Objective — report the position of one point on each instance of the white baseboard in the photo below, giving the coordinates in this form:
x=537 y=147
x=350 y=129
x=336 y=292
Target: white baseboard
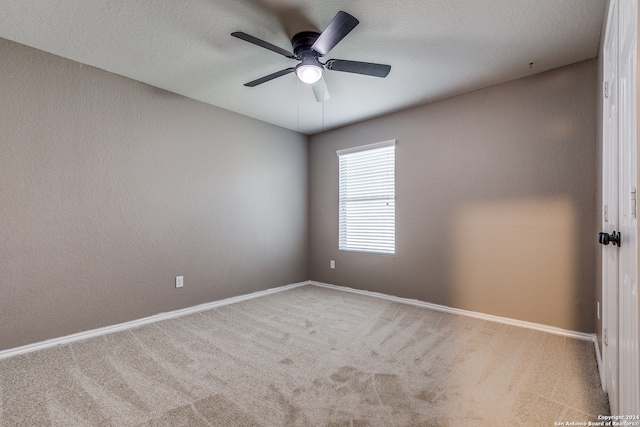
x=207 y=306
x=475 y=314
x=140 y=322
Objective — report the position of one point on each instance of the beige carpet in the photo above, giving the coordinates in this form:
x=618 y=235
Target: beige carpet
x=309 y=356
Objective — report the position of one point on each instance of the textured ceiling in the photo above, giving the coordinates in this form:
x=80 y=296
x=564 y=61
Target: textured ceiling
x=437 y=48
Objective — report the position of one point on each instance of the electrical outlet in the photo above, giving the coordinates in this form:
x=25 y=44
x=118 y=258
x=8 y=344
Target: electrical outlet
x=179 y=281
x=332 y=264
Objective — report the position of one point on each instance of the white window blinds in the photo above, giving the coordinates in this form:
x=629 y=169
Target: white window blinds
x=367 y=198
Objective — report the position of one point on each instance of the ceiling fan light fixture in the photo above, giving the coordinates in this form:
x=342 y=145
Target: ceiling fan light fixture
x=309 y=72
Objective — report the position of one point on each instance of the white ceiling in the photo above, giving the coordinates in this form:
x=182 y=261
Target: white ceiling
x=437 y=48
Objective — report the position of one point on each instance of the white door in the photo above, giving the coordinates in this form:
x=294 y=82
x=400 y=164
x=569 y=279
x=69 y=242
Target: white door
x=628 y=396
x=610 y=208
x=620 y=263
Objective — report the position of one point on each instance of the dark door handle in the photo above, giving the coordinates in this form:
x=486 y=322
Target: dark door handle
x=613 y=238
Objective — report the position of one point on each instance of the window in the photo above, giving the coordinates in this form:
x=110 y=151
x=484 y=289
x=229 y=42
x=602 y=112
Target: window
x=367 y=198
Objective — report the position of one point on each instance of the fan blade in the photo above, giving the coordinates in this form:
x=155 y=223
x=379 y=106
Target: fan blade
x=337 y=29
x=320 y=90
x=367 y=68
x=270 y=77
x=248 y=38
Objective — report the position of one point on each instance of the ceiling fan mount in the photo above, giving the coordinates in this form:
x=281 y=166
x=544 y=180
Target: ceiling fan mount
x=303 y=41
x=308 y=47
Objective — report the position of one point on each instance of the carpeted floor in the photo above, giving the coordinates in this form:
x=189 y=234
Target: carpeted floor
x=309 y=356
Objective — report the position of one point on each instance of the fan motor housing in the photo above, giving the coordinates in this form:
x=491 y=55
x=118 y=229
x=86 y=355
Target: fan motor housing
x=302 y=43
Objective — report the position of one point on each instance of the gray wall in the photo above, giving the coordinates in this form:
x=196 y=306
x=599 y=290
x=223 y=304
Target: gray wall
x=496 y=201
x=110 y=188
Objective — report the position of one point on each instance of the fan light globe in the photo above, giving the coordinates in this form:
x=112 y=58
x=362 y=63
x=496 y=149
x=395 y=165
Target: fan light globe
x=309 y=73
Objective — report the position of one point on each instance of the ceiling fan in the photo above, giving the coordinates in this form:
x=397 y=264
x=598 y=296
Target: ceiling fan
x=308 y=47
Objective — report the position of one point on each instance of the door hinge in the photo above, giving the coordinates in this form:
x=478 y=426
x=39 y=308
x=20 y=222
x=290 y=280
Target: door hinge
x=605 y=336
x=633 y=202
x=605 y=89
